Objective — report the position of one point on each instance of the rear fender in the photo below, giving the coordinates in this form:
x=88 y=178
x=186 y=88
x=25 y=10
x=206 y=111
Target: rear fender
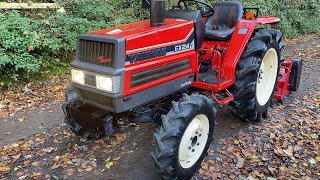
x=240 y=38
x=268 y=20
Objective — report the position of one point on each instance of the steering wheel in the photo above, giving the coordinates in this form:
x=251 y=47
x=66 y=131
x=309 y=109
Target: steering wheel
x=209 y=12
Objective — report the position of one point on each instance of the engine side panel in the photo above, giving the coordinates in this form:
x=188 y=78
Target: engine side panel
x=158 y=71
x=154 y=93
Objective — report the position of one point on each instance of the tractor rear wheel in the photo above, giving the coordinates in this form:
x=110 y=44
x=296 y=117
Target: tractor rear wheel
x=184 y=138
x=256 y=75
x=82 y=119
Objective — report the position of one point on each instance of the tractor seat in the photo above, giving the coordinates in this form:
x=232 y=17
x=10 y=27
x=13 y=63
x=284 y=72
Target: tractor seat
x=221 y=25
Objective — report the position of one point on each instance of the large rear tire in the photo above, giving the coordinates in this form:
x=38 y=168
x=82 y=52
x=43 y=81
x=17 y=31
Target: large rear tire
x=82 y=119
x=184 y=138
x=256 y=75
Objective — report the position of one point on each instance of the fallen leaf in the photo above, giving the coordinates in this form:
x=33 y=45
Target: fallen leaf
x=21 y=119
x=254 y=156
x=211 y=161
x=26 y=163
x=36 y=163
x=48 y=150
x=314 y=136
x=5 y=169
x=55 y=166
x=288 y=152
x=312 y=161
x=16 y=156
x=240 y=161
x=236 y=142
x=30 y=48
x=88 y=169
x=116 y=159
x=36 y=175
x=109 y=164
x=305 y=164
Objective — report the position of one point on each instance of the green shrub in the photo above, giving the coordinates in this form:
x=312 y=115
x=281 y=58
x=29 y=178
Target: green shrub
x=18 y=39
x=297 y=16
x=26 y=45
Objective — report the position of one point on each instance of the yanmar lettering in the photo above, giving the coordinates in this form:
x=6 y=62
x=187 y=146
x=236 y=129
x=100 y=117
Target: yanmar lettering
x=102 y=59
x=146 y=55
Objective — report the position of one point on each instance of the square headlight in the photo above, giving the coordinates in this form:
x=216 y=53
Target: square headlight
x=108 y=83
x=104 y=83
x=77 y=76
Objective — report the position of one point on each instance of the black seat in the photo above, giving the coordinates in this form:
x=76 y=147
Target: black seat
x=221 y=25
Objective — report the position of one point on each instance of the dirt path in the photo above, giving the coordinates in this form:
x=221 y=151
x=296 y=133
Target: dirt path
x=56 y=153
x=137 y=164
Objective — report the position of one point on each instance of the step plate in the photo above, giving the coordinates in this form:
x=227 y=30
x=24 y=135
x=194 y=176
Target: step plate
x=209 y=76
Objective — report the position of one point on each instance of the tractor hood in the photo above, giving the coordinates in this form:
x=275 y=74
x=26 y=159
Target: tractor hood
x=140 y=37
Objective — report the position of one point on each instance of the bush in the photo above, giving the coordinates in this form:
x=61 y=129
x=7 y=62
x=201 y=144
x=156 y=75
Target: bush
x=297 y=16
x=18 y=38
x=27 y=44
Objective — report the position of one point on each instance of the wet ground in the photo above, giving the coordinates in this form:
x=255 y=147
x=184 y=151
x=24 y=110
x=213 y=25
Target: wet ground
x=134 y=165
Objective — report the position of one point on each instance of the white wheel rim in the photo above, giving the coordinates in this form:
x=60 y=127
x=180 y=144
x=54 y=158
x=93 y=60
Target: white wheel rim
x=193 y=141
x=267 y=76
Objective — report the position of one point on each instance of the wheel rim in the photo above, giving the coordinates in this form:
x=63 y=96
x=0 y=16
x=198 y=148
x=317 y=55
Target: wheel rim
x=267 y=76
x=193 y=141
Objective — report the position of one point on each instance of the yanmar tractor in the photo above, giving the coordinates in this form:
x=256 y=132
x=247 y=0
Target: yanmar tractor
x=192 y=55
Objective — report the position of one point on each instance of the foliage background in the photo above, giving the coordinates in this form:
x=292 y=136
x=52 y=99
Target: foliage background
x=41 y=43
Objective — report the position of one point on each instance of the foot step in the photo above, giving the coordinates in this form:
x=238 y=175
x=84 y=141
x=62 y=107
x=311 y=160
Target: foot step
x=222 y=98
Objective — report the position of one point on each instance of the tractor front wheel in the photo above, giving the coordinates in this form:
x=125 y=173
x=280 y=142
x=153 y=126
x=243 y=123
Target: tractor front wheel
x=256 y=75
x=184 y=138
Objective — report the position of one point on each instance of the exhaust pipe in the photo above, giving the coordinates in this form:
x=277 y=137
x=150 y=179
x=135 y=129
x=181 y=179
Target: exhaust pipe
x=157 y=12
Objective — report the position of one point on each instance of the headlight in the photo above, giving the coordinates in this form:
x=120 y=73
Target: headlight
x=77 y=76
x=108 y=83
x=104 y=83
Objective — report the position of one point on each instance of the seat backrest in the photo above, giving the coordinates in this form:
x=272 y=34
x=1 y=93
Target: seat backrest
x=226 y=15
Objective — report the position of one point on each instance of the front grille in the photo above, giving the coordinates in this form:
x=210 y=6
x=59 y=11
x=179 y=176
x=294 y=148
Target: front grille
x=90 y=51
x=152 y=74
x=95 y=98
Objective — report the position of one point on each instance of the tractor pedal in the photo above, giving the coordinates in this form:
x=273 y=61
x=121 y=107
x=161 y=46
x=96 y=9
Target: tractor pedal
x=222 y=98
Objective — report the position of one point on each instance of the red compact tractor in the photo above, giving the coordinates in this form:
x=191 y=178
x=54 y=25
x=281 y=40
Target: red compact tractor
x=192 y=55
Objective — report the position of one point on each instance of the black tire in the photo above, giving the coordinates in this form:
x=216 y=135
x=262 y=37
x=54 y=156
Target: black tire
x=82 y=119
x=245 y=104
x=295 y=74
x=175 y=123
